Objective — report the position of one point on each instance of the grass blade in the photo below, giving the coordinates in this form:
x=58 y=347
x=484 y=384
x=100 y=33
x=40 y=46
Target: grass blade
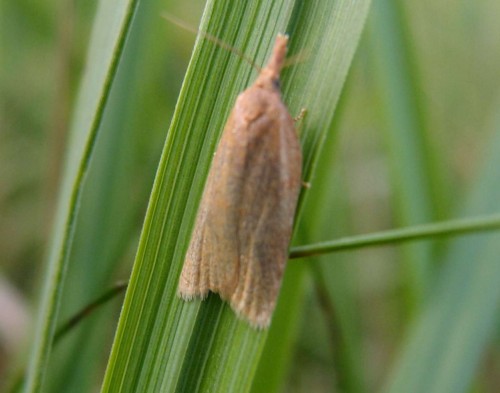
x=116 y=192
x=444 y=347
x=414 y=174
x=455 y=227
x=162 y=343
x=109 y=34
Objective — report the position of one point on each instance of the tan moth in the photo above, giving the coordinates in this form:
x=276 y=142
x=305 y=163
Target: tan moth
x=239 y=245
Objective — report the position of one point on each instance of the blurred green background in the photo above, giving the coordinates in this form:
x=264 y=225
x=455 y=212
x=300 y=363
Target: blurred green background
x=416 y=140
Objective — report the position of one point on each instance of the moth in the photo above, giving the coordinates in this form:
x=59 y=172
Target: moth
x=239 y=245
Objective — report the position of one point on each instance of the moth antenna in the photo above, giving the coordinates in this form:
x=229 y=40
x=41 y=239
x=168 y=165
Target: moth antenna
x=210 y=37
x=297 y=58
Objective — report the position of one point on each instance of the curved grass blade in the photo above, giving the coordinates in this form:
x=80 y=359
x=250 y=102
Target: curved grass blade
x=162 y=343
x=110 y=29
x=116 y=193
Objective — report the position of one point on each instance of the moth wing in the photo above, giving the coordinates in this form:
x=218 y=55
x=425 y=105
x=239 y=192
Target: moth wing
x=272 y=179
x=212 y=259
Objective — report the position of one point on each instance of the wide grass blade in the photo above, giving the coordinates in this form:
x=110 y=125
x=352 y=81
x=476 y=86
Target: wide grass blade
x=163 y=343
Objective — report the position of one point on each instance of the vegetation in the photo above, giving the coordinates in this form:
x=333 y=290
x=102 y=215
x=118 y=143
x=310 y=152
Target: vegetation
x=402 y=129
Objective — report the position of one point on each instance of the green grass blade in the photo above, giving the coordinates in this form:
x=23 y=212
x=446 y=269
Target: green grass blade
x=464 y=226
x=115 y=196
x=444 y=347
x=107 y=41
x=334 y=275
x=413 y=172
x=162 y=343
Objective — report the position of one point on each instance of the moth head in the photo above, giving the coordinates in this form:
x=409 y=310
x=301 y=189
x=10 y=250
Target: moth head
x=269 y=77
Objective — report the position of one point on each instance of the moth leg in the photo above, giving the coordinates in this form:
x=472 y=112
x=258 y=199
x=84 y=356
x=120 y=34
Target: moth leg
x=301 y=115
